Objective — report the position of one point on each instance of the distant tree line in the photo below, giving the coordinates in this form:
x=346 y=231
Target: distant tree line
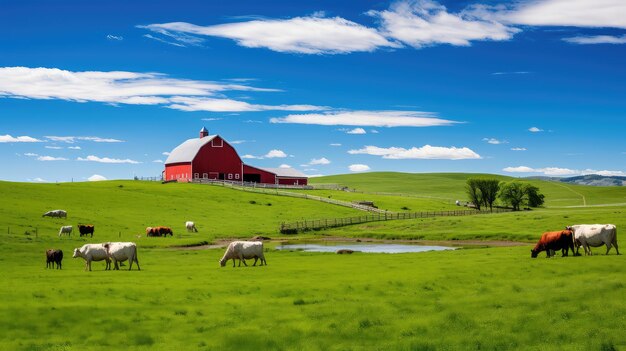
x=483 y=193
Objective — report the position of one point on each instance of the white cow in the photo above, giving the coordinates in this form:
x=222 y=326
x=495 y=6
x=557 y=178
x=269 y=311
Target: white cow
x=93 y=252
x=191 y=226
x=241 y=250
x=66 y=229
x=120 y=252
x=594 y=235
x=55 y=213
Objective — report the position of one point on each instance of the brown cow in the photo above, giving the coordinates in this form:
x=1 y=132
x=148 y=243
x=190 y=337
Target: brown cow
x=54 y=256
x=159 y=231
x=85 y=229
x=552 y=241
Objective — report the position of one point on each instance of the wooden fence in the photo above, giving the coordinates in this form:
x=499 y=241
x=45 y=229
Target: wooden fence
x=319 y=224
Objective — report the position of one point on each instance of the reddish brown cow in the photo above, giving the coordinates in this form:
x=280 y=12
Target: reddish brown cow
x=553 y=241
x=54 y=257
x=85 y=229
x=159 y=231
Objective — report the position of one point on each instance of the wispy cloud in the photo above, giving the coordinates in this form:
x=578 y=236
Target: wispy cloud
x=157 y=161
x=559 y=172
x=509 y=73
x=495 y=141
x=93 y=158
x=597 y=39
x=119 y=87
x=115 y=37
x=96 y=178
x=149 y=36
x=73 y=139
x=284 y=166
x=535 y=130
x=518 y=149
x=20 y=139
x=276 y=154
x=358 y=167
x=302 y=35
x=50 y=158
x=368 y=119
x=424 y=152
x=30 y=154
x=335 y=144
x=74 y=147
x=569 y=13
x=319 y=161
x=38 y=180
x=356 y=131
x=212 y=119
x=248 y=156
x=53 y=147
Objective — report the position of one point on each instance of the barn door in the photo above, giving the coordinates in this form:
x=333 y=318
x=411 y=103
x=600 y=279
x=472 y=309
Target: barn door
x=214 y=175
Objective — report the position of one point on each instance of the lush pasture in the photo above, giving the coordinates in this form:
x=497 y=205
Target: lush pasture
x=487 y=299
x=451 y=186
x=479 y=299
x=128 y=207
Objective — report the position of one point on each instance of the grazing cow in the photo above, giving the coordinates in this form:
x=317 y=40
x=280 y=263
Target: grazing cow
x=159 y=231
x=93 y=252
x=191 y=227
x=55 y=213
x=120 y=252
x=344 y=252
x=594 y=235
x=552 y=241
x=66 y=229
x=54 y=257
x=242 y=250
x=85 y=229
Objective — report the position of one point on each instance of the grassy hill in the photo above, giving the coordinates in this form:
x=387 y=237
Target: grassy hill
x=451 y=186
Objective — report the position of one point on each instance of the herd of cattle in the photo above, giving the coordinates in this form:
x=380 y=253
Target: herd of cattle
x=572 y=238
x=585 y=235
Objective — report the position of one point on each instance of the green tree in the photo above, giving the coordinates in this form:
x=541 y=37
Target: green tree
x=489 y=191
x=473 y=192
x=517 y=194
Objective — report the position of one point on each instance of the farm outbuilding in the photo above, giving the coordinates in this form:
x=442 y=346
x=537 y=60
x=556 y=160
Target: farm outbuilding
x=210 y=157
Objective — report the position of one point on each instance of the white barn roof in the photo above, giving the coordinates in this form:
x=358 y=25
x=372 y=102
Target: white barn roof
x=188 y=150
x=285 y=172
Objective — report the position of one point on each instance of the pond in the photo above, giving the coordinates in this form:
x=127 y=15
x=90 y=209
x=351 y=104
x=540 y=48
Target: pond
x=368 y=248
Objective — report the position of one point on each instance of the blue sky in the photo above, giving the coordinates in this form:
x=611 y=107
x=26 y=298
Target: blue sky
x=517 y=88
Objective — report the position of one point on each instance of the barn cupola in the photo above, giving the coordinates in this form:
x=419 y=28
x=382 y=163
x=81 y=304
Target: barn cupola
x=203 y=132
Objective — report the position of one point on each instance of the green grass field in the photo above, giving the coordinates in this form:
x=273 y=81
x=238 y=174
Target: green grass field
x=467 y=299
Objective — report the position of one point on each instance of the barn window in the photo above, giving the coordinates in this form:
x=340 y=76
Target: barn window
x=205 y=176
x=196 y=175
x=230 y=176
x=237 y=176
x=217 y=143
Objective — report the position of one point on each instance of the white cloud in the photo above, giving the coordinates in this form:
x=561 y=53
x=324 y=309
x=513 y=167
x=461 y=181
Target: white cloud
x=93 y=158
x=495 y=141
x=119 y=87
x=374 y=131
x=212 y=119
x=165 y=153
x=558 y=171
x=235 y=142
x=20 y=139
x=368 y=119
x=518 y=149
x=149 y=36
x=356 y=131
x=535 y=130
x=30 y=154
x=420 y=23
x=425 y=152
x=96 y=178
x=509 y=73
x=284 y=166
x=303 y=35
x=115 y=37
x=74 y=147
x=335 y=144
x=248 y=156
x=597 y=39
x=575 y=13
x=157 y=161
x=275 y=154
x=53 y=147
x=73 y=139
x=320 y=161
x=39 y=180
x=358 y=168
x=50 y=158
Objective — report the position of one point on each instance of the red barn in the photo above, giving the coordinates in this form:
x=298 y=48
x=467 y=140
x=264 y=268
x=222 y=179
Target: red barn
x=211 y=157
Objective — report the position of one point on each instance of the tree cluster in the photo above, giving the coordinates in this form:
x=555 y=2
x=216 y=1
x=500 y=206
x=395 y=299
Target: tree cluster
x=483 y=193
